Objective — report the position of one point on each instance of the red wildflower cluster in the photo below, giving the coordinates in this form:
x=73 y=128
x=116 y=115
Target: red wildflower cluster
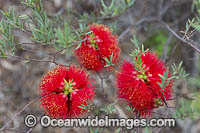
x=140 y=88
x=98 y=45
x=63 y=90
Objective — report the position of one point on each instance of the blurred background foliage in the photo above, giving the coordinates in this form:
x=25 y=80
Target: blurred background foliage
x=36 y=35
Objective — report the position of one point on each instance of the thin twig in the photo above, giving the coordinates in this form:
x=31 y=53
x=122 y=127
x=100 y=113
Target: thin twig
x=171 y=53
x=184 y=96
x=102 y=84
x=59 y=51
x=165 y=49
x=124 y=33
x=164 y=9
x=19 y=112
x=35 y=51
x=29 y=59
x=186 y=41
x=30 y=129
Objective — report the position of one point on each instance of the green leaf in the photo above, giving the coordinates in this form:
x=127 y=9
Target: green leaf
x=111 y=57
x=111 y=5
x=83 y=107
x=130 y=2
x=78 y=46
x=135 y=41
x=106 y=59
x=178 y=71
x=115 y=8
x=108 y=109
x=129 y=108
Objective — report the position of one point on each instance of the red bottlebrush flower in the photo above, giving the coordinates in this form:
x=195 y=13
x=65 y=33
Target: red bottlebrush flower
x=63 y=90
x=98 y=45
x=140 y=88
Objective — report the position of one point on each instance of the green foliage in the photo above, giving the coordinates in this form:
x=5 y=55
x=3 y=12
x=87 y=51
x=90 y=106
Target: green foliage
x=178 y=71
x=66 y=37
x=184 y=111
x=30 y=3
x=116 y=7
x=8 y=23
x=39 y=24
x=195 y=105
x=136 y=55
x=86 y=18
x=189 y=108
x=69 y=84
x=108 y=109
x=195 y=23
x=157 y=42
x=42 y=30
x=188 y=24
x=88 y=106
x=193 y=82
x=82 y=31
x=7 y=40
x=55 y=31
x=165 y=80
x=14 y=20
x=109 y=62
x=135 y=41
x=97 y=130
x=196 y=5
x=166 y=77
x=114 y=26
x=191 y=27
x=129 y=108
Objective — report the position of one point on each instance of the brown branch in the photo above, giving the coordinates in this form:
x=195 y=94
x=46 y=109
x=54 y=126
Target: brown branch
x=171 y=53
x=59 y=51
x=17 y=27
x=165 y=48
x=184 y=96
x=124 y=33
x=19 y=112
x=102 y=84
x=34 y=51
x=38 y=60
x=102 y=81
x=29 y=59
x=186 y=41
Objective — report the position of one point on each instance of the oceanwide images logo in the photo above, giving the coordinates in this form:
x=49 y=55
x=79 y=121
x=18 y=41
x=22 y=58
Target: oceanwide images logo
x=90 y=121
